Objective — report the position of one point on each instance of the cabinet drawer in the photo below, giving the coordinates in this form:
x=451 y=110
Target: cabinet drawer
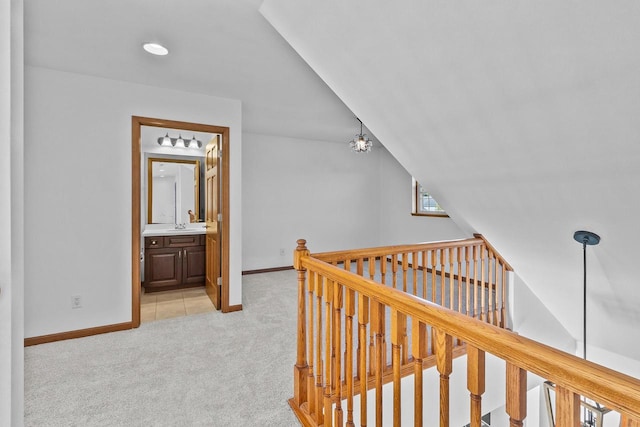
x=203 y=239
x=154 y=242
x=181 y=241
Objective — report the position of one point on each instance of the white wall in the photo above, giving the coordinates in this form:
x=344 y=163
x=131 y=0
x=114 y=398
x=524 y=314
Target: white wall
x=315 y=190
x=532 y=319
x=78 y=221
x=325 y=193
x=11 y=214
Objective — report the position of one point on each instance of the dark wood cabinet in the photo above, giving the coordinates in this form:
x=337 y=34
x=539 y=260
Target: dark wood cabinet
x=174 y=262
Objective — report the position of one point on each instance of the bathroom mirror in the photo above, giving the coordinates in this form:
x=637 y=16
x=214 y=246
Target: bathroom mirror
x=174 y=191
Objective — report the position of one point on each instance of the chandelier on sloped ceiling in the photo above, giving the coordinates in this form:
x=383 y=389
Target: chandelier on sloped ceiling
x=179 y=142
x=361 y=144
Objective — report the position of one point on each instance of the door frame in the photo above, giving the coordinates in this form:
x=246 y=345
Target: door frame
x=136 y=201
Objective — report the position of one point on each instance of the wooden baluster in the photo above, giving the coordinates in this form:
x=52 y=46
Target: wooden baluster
x=503 y=311
x=491 y=294
x=475 y=382
x=328 y=348
x=461 y=309
x=383 y=272
x=482 y=284
x=337 y=340
x=405 y=267
x=380 y=347
x=374 y=322
x=498 y=307
x=475 y=282
x=626 y=421
x=434 y=289
x=459 y=285
x=467 y=273
x=443 y=280
x=397 y=322
x=419 y=347
x=319 y=363
x=567 y=408
x=301 y=369
x=363 y=320
x=360 y=267
x=444 y=363
x=394 y=270
x=425 y=271
x=350 y=310
x=434 y=277
x=405 y=342
x=383 y=269
x=311 y=380
x=517 y=395
x=415 y=267
x=452 y=287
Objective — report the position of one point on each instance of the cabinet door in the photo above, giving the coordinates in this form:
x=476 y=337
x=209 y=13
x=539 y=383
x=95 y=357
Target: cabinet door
x=163 y=267
x=193 y=265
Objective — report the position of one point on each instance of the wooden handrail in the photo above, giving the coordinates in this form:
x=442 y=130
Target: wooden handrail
x=606 y=386
x=338 y=256
x=492 y=249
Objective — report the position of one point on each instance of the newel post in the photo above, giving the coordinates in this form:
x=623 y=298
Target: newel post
x=300 y=370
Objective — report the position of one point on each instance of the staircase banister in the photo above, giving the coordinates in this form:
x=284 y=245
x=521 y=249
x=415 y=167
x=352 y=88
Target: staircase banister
x=615 y=390
x=337 y=256
x=492 y=249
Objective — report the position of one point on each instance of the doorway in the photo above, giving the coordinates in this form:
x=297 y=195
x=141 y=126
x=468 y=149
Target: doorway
x=222 y=227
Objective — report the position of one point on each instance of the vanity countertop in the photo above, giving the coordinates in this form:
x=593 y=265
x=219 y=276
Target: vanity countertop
x=173 y=232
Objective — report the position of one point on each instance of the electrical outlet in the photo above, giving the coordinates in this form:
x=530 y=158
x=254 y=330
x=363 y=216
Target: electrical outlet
x=281 y=251
x=76 y=301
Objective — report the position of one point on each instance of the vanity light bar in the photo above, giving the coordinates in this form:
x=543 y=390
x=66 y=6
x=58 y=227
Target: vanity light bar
x=179 y=141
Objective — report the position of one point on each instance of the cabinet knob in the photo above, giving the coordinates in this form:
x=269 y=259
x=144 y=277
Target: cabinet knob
x=154 y=242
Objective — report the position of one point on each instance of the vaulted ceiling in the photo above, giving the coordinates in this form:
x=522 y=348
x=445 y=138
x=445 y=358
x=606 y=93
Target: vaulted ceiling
x=521 y=118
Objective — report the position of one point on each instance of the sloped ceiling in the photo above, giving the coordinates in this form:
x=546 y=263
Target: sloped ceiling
x=521 y=118
x=223 y=48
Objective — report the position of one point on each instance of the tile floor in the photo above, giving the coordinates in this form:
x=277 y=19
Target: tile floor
x=168 y=304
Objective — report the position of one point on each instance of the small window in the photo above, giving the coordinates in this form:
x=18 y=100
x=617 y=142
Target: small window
x=424 y=204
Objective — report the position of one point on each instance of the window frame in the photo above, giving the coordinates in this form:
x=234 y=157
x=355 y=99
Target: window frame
x=416 y=198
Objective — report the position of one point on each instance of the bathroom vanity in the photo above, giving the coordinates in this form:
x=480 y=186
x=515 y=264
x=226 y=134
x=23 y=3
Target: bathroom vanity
x=174 y=261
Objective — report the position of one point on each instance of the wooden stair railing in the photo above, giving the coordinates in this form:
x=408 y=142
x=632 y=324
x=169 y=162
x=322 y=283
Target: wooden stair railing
x=338 y=307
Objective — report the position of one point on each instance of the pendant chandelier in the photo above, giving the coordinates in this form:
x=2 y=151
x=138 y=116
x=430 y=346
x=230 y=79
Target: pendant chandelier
x=361 y=144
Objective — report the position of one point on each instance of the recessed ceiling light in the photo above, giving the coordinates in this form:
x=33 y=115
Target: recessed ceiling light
x=155 y=49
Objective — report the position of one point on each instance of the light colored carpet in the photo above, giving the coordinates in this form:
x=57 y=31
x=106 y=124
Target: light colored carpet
x=208 y=369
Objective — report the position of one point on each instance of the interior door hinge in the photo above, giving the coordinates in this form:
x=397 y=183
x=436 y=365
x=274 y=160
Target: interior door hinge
x=219 y=217
x=219 y=281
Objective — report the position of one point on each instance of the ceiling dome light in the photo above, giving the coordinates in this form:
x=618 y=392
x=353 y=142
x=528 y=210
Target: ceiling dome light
x=155 y=49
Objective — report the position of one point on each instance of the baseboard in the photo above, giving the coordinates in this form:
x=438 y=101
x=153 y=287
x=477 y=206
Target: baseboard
x=77 y=333
x=267 y=270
